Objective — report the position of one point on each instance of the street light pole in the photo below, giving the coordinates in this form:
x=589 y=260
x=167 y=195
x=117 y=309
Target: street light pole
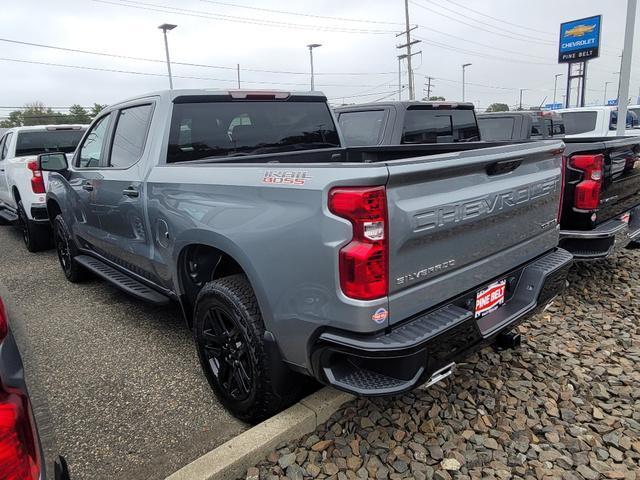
x=167 y=27
x=625 y=69
x=464 y=66
x=555 y=84
x=311 y=47
x=521 y=90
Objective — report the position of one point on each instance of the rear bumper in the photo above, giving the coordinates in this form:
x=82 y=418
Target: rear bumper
x=423 y=348
x=603 y=240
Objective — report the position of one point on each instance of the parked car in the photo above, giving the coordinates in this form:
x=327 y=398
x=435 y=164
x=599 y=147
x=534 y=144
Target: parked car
x=22 y=185
x=407 y=122
x=372 y=269
x=520 y=125
x=22 y=456
x=595 y=122
x=601 y=208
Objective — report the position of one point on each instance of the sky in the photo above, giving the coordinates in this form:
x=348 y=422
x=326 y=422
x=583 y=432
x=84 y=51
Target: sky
x=511 y=44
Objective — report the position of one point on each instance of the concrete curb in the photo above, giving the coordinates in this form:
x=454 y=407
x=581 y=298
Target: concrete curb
x=232 y=459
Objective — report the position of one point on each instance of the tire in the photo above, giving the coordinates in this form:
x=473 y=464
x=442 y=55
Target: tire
x=67 y=251
x=36 y=236
x=229 y=334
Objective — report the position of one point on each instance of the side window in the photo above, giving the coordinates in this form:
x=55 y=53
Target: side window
x=5 y=146
x=130 y=135
x=91 y=149
x=2 y=146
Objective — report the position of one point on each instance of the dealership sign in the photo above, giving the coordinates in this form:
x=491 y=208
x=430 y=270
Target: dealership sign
x=579 y=39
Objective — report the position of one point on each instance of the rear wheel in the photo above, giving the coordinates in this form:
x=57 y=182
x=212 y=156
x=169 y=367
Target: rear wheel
x=67 y=251
x=229 y=334
x=36 y=236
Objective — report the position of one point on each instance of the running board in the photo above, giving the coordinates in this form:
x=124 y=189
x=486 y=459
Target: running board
x=121 y=280
x=8 y=216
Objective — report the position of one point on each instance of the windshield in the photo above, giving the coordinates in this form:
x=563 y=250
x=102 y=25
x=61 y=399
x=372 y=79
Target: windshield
x=237 y=128
x=441 y=125
x=37 y=142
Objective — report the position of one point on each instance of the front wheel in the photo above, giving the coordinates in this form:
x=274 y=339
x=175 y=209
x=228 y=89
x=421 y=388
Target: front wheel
x=229 y=335
x=67 y=251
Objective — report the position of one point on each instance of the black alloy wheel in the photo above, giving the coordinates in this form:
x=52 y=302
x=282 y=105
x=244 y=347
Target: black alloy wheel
x=225 y=349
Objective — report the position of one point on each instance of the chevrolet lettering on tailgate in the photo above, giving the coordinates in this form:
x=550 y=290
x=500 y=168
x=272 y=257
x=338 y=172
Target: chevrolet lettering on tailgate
x=483 y=206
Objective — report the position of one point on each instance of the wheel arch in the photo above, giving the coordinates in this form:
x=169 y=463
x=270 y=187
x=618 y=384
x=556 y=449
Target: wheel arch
x=213 y=261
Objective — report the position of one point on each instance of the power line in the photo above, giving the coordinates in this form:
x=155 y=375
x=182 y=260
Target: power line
x=126 y=57
x=466 y=7
x=285 y=12
x=235 y=19
x=132 y=72
x=475 y=26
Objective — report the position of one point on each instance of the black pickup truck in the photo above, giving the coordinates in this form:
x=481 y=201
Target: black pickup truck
x=601 y=206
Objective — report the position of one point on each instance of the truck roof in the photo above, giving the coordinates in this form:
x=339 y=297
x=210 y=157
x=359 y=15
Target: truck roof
x=171 y=95
x=41 y=128
x=408 y=103
x=596 y=108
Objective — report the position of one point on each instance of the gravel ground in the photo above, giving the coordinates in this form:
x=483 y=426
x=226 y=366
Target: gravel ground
x=566 y=405
x=120 y=379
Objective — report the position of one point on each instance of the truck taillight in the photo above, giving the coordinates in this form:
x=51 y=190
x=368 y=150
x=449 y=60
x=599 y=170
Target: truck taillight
x=19 y=453
x=363 y=262
x=37 y=181
x=587 y=192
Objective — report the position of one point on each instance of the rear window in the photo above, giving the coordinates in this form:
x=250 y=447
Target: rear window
x=441 y=125
x=499 y=128
x=579 y=122
x=362 y=128
x=238 y=128
x=34 y=143
x=636 y=112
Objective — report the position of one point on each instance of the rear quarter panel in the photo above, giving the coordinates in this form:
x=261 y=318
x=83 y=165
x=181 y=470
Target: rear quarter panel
x=284 y=237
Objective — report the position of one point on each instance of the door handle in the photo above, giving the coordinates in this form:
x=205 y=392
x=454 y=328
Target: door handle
x=88 y=187
x=131 y=192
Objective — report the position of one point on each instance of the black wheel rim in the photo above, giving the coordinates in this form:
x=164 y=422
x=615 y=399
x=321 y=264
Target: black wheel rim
x=25 y=228
x=62 y=247
x=226 y=353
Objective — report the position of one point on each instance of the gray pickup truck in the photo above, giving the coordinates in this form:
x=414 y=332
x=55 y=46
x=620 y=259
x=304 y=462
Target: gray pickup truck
x=372 y=269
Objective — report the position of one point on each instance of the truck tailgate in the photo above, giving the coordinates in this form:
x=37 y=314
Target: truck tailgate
x=458 y=221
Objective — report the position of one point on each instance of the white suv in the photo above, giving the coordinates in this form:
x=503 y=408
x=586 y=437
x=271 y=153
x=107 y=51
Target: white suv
x=22 y=185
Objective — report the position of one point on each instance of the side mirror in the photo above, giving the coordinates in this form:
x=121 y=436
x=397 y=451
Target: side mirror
x=53 y=162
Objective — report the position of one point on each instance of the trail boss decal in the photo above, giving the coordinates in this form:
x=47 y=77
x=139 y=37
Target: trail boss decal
x=285 y=177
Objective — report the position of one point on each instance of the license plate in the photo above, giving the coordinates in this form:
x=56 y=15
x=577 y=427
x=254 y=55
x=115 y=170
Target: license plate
x=490 y=299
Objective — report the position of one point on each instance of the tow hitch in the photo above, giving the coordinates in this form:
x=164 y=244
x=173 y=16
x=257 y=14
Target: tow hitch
x=507 y=340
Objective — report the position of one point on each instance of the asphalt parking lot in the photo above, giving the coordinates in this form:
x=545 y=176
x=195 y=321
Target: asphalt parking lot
x=120 y=378
x=565 y=405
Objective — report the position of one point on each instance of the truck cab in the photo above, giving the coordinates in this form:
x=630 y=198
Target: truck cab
x=520 y=125
x=597 y=122
x=407 y=122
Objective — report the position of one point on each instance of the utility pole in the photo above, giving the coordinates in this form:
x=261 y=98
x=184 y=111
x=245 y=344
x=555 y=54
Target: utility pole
x=555 y=85
x=521 y=90
x=464 y=66
x=167 y=27
x=606 y=84
x=238 y=70
x=429 y=87
x=625 y=70
x=407 y=45
x=400 y=58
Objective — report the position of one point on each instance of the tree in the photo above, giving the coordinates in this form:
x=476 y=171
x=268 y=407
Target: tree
x=77 y=114
x=498 y=107
x=96 y=109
